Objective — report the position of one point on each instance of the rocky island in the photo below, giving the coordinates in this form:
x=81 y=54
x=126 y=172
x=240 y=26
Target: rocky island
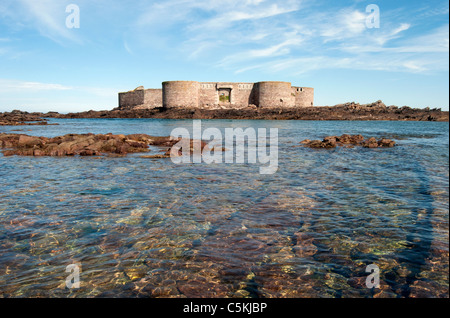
x=348 y=111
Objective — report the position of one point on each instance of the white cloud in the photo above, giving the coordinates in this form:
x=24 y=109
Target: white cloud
x=279 y=49
x=344 y=24
x=435 y=41
x=8 y=85
x=228 y=18
x=11 y=85
x=344 y=42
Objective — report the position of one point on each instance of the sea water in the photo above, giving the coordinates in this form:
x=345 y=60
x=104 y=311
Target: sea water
x=140 y=227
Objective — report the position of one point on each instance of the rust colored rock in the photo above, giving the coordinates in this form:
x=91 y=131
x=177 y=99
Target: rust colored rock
x=386 y=143
x=328 y=143
x=370 y=143
x=348 y=141
x=82 y=144
x=29 y=141
x=38 y=153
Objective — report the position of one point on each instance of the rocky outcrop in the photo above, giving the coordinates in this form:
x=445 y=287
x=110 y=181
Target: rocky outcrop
x=349 y=141
x=81 y=144
x=92 y=145
x=19 y=118
x=349 y=111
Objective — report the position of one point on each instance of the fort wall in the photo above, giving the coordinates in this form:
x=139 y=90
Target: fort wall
x=153 y=98
x=141 y=98
x=304 y=96
x=132 y=98
x=192 y=94
x=180 y=94
x=275 y=94
x=208 y=95
x=246 y=94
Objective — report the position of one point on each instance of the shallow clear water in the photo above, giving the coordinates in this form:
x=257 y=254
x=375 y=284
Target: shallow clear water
x=149 y=228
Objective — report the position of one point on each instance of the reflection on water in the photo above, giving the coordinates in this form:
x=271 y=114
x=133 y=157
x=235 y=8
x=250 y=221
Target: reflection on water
x=148 y=228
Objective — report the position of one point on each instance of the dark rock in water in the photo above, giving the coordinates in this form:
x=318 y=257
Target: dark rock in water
x=348 y=141
x=330 y=142
x=373 y=143
x=386 y=143
x=370 y=143
x=321 y=144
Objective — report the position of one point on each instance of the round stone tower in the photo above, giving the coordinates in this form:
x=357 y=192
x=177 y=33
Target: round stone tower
x=180 y=94
x=275 y=94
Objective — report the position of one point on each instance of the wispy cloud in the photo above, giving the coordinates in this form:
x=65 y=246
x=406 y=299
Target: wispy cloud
x=271 y=51
x=341 y=40
x=228 y=18
x=344 y=24
x=49 y=17
x=12 y=85
x=46 y=16
x=9 y=85
x=127 y=48
x=435 y=41
x=206 y=24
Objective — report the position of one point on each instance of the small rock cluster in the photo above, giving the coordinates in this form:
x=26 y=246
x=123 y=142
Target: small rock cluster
x=348 y=141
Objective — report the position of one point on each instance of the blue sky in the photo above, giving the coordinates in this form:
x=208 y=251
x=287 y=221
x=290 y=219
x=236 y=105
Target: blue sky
x=120 y=45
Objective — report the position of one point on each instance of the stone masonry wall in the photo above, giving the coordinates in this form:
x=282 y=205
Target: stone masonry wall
x=180 y=94
x=208 y=96
x=192 y=94
x=131 y=99
x=153 y=98
x=304 y=96
x=245 y=94
x=275 y=94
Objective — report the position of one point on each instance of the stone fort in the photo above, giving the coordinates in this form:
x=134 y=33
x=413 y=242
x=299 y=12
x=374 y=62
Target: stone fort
x=191 y=94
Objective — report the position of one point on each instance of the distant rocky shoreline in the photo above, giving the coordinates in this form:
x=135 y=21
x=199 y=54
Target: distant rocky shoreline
x=19 y=118
x=349 y=111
